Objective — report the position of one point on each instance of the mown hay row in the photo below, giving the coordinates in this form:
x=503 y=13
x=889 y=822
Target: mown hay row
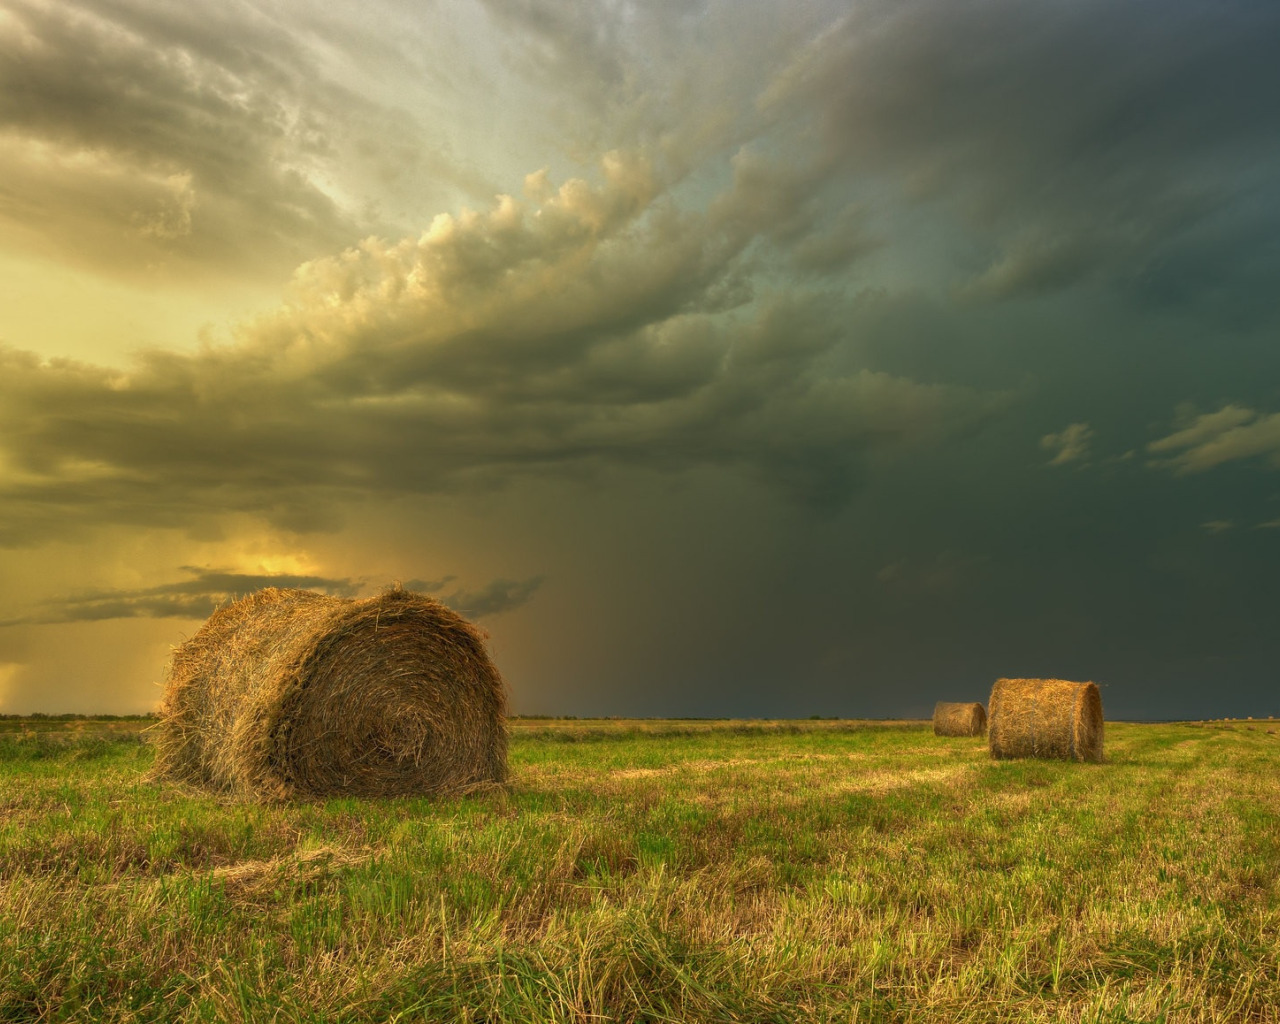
x=290 y=693
x=959 y=719
x=1045 y=718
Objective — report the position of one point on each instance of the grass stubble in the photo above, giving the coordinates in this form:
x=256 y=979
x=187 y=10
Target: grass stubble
x=815 y=871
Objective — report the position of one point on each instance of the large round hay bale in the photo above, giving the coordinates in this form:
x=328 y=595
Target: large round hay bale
x=957 y=719
x=1045 y=718
x=291 y=693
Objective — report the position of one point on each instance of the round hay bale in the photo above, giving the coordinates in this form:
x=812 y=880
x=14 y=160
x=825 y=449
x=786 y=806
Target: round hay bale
x=290 y=693
x=1045 y=718
x=953 y=719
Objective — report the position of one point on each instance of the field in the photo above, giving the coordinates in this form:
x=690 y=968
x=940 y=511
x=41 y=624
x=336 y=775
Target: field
x=646 y=871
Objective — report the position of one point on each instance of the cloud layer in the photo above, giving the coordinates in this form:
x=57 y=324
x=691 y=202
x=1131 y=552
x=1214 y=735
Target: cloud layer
x=599 y=326
x=205 y=590
x=761 y=366
x=156 y=140
x=193 y=598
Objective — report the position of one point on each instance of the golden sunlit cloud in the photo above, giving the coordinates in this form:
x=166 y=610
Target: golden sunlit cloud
x=1228 y=435
x=585 y=330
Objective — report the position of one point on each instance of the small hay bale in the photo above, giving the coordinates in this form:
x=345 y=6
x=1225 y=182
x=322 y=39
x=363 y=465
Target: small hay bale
x=952 y=719
x=1045 y=718
x=290 y=693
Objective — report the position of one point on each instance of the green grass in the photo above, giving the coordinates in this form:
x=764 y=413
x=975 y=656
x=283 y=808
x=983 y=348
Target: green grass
x=641 y=871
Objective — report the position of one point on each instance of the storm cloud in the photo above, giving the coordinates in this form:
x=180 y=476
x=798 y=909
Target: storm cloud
x=591 y=328
x=158 y=140
x=206 y=590
x=764 y=359
x=193 y=598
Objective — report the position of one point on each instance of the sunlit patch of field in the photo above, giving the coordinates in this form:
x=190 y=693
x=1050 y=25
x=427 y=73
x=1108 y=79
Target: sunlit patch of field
x=658 y=871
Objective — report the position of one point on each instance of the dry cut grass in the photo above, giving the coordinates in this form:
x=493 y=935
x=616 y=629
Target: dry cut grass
x=661 y=872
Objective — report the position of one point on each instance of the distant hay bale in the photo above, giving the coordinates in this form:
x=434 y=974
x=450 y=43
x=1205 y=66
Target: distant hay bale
x=290 y=693
x=952 y=719
x=1045 y=718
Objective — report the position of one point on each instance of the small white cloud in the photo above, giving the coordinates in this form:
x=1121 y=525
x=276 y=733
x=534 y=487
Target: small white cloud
x=1218 y=525
x=1070 y=445
x=1270 y=524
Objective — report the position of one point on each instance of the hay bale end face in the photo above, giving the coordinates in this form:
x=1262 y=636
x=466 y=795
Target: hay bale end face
x=959 y=719
x=290 y=693
x=1045 y=718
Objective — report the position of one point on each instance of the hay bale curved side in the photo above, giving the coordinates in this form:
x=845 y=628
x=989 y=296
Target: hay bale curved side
x=959 y=719
x=291 y=693
x=1045 y=718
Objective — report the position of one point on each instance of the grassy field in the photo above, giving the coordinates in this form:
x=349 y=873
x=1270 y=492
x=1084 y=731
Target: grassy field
x=643 y=871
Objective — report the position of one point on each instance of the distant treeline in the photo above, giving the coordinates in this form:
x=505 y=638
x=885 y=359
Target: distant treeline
x=678 y=718
x=74 y=717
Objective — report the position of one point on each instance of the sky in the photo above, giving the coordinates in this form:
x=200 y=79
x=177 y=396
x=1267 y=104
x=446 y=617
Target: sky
x=718 y=357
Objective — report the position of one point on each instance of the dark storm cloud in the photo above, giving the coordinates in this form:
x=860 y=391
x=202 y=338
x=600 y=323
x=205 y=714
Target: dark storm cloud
x=140 y=134
x=949 y=273
x=492 y=599
x=407 y=368
x=194 y=598
x=1072 y=139
x=497 y=597
x=1048 y=145
x=1053 y=144
x=1048 y=148
x=206 y=590
x=428 y=586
